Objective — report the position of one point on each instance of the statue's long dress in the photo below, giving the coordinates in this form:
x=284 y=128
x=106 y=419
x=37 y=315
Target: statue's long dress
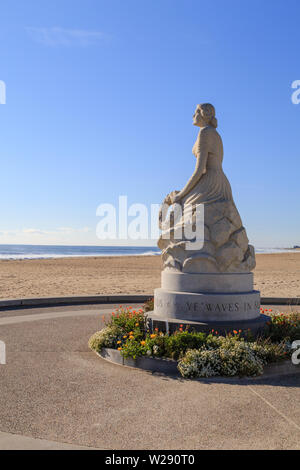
x=225 y=247
x=213 y=185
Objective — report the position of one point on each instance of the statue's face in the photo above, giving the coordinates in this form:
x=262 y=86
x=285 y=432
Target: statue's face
x=198 y=119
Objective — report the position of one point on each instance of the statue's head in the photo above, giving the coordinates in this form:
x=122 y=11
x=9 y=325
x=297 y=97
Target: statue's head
x=205 y=115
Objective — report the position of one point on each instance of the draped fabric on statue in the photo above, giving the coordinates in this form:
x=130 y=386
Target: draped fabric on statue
x=225 y=247
x=213 y=186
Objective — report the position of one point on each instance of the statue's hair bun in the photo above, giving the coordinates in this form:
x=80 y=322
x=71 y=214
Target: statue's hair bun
x=214 y=122
x=209 y=114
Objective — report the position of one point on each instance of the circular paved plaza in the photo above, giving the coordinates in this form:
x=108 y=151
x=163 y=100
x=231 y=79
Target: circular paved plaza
x=55 y=393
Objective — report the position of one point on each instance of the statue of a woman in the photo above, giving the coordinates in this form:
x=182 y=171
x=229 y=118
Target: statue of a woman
x=225 y=247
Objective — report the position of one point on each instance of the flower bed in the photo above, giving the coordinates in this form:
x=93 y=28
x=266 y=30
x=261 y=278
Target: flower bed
x=199 y=354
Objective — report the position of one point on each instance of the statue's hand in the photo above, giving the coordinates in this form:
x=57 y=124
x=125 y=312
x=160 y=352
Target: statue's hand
x=172 y=198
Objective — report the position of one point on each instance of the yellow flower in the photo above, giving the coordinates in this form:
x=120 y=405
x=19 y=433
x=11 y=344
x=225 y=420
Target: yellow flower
x=125 y=336
x=152 y=336
x=119 y=342
x=119 y=349
x=137 y=324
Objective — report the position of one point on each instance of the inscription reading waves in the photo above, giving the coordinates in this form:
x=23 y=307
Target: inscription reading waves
x=209 y=307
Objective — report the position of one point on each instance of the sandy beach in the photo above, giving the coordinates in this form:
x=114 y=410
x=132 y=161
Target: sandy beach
x=275 y=275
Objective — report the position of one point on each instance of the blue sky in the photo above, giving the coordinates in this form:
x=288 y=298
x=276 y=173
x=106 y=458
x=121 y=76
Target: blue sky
x=99 y=103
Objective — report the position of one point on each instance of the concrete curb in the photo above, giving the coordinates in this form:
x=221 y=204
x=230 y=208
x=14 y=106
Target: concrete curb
x=280 y=300
x=152 y=364
x=169 y=366
x=72 y=300
x=110 y=299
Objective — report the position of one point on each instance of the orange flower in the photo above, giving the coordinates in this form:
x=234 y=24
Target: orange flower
x=152 y=336
x=235 y=332
x=119 y=349
x=143 y=343
x=137 y=324
x=119 y=342
x=180 y=329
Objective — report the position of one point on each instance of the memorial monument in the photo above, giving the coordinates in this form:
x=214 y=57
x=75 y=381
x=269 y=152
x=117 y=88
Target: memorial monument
x=210 y=282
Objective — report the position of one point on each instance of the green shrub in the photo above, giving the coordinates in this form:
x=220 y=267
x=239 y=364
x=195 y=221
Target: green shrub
x=232 y=357
x=285 y=326
x=129 y=319
x=177 y=344
x=133 y=348
x=152 y=345
x=269 y=352
x=106 y=338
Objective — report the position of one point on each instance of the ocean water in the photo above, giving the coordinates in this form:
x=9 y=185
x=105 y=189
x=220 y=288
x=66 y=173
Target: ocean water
x=58 y=251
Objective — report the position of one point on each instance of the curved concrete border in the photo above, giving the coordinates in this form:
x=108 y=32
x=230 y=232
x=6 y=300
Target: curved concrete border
x=110 y=299
x=72 y=300
x=169 y=366
x=152 y=364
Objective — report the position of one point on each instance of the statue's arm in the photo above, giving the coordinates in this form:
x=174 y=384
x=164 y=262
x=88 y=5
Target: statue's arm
x=202 y=155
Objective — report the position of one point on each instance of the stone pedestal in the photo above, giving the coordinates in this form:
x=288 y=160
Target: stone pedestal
x=225 y=301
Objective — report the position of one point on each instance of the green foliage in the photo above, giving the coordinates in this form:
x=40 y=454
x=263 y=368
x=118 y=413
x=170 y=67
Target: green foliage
x=229 y=356
x=149 y=305
x=106 y=338
x=269 y=352
x=152 y=345
x=285 y=326
x=156 y=344
x=199 y=354
x=177 y=344
x=129 y=319
x=233 y=357
x=133 y=348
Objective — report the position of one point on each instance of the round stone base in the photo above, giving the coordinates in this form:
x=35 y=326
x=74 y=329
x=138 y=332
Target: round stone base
x=208 y=282
x=206 y=307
